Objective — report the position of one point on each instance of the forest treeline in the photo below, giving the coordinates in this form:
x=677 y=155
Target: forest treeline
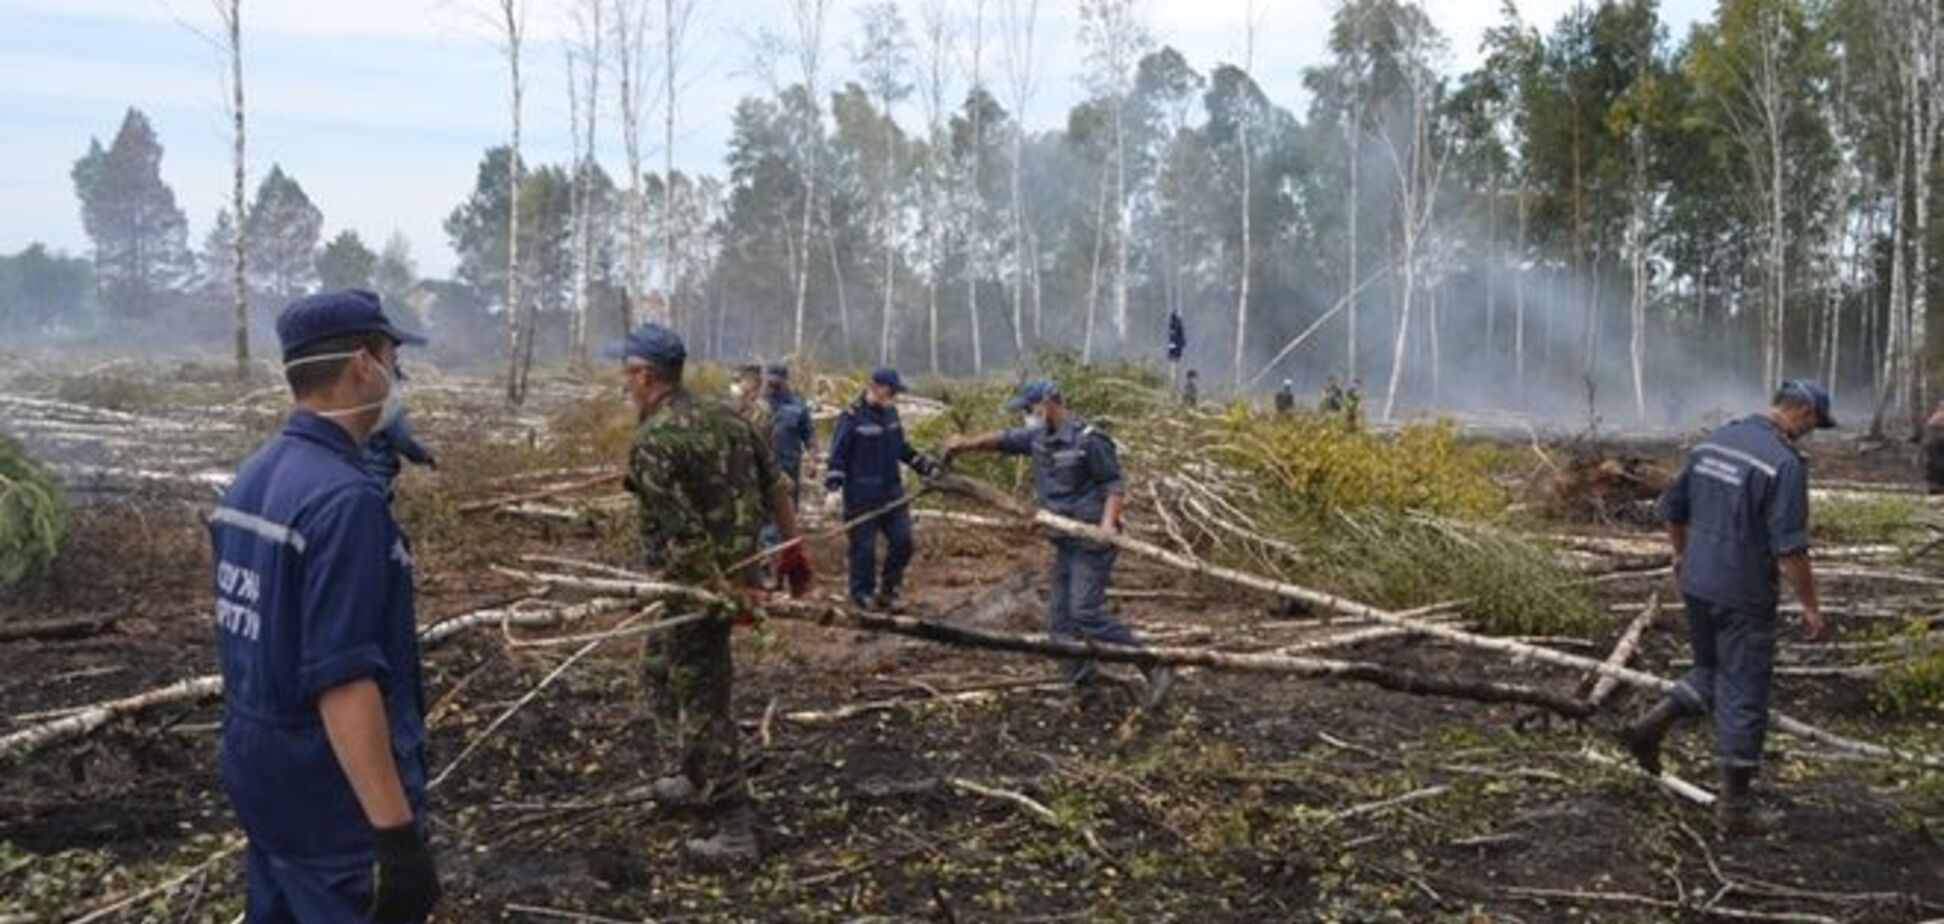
x=1599 y=210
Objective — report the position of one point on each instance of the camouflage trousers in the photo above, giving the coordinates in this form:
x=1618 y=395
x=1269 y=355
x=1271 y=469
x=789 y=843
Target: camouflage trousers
x=688 y=670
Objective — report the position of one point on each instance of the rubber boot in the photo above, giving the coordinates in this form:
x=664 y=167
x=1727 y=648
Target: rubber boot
x=1642 y=738
x=1736 y=814
x=677 y=789
x=734 y=841
x=1160 y=679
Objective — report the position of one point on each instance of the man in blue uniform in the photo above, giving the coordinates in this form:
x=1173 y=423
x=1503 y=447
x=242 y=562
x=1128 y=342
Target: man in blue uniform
x=866 y=448
x=387 y=451
x=323 y=718
x=1738 y=514
x=793 y=435
x=1077 y=475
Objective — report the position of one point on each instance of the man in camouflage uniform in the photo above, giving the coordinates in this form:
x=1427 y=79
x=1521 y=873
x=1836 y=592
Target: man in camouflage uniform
x=706 y=483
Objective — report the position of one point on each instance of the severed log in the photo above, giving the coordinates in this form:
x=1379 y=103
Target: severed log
x=1605 y=684
x=964 y=636
x=52 y=629
x=90 y=718
x=1518 y=651
x=570 y=487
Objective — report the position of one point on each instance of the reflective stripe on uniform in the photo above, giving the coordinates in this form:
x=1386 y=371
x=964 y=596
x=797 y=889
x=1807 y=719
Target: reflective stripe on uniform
x=250 y=522
x=1739 y=456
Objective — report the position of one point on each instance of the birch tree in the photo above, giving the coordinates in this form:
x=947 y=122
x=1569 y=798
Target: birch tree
x=630 y=23
x=584 y=108
x=809 y=18
x=676 y=15
x=976 y=244
x=937 y=35
x=1020 y=55
x=509 y=22
x=1114 y=39
x=228 y=41
x=1251 y=22
x=884 y=59
x=1748 y=62
x=1418 y=174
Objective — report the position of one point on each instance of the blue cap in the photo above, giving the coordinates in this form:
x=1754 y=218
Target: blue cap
x=651 y=343
x=1809 y=392
x=342 y=313
x=777 y=372
x=1032 y=392
x=888 y=377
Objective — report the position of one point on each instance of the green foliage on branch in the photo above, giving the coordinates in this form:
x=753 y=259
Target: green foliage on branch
x=33 y=517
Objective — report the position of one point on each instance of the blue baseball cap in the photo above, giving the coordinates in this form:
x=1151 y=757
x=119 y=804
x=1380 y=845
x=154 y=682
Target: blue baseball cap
x=1809 y=392
x=327 y=315
x=888 y=377
x=1032 y=392
x=651 y=343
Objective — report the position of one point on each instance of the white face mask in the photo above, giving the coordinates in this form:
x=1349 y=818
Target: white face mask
x=1035 y=420
x=392 y=405
x=736 y=390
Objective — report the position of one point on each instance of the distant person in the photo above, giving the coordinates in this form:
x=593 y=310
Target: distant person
x=792 y=436
x=1353 y=405
x=1934 y=450
x=1286 y=398
x=1738 y=514
x=323 y=737
x=388 y=449
x=862 y=476
x=1332 y=402
x=1076 y=475
x=1191 y=389
x=747 y=389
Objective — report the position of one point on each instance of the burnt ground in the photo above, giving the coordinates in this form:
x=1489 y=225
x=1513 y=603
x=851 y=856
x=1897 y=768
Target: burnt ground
x=1247 y=798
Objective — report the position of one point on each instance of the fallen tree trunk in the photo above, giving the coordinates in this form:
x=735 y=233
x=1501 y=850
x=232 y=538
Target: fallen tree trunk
x=47 y=629
x=541 y=493
x=1518 y=651
x=965 y=636
x=1623 y=650
x=87 y=719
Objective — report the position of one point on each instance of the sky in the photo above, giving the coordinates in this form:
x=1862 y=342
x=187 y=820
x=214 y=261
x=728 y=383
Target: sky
x=381 y=109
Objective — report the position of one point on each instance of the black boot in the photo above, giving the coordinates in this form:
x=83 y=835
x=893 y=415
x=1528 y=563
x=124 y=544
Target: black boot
x=1736 y=814
x=1643 y=737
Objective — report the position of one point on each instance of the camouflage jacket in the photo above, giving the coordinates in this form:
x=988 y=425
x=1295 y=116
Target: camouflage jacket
x=705 y=480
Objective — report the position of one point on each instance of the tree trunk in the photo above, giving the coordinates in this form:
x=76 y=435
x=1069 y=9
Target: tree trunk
x=1248 y=239
x=237 y=201
x=1121 y=222
x=515 y=358
x=1093 y=275
x=1350 y=283
x=890 y=246
x=1519 y=304
x=1637 y=343
x=1022 y=252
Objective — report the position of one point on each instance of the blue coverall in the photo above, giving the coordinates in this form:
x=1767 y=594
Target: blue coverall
x=384 y=449
x=1744 y=497
x=313 y=591
x=866 y=448
x=1075 y=469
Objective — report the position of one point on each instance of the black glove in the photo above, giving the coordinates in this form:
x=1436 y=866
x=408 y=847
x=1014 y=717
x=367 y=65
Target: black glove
x=925 y=465
x=404 y=886
x=432 y=462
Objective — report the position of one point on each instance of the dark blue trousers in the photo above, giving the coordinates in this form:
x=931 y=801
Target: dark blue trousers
x=287 y=892
x=1076 y=607
x=896 y=527
x=1734 y=660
